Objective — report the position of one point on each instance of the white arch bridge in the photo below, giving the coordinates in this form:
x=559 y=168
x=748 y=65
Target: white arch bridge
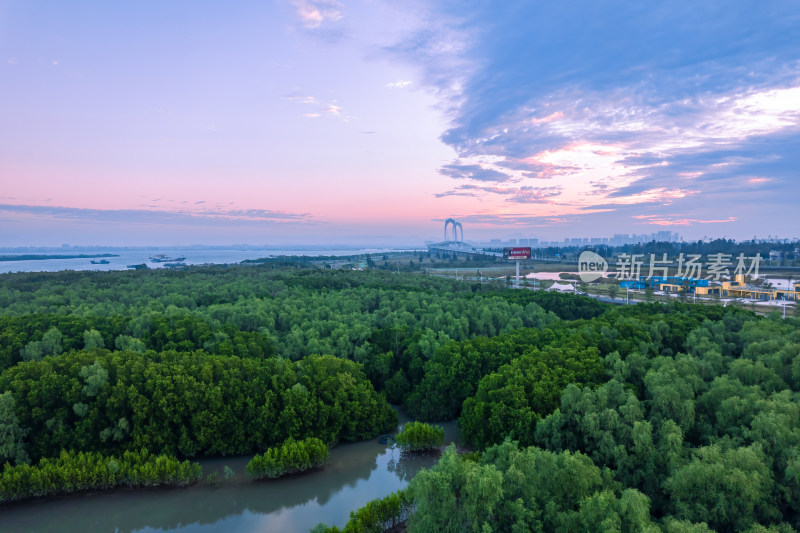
x=457 y=245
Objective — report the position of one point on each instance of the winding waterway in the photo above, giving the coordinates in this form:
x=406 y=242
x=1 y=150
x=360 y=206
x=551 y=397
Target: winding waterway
x=356 y=473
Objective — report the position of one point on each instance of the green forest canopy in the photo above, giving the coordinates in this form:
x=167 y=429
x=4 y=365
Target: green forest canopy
x=688 y=414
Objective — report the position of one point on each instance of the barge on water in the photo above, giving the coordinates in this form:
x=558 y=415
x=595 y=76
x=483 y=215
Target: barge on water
x=161 y=258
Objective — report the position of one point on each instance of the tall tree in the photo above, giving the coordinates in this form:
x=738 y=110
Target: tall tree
x=11 y=434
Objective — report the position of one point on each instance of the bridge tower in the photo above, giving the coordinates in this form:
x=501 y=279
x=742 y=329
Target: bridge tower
x=456 y=226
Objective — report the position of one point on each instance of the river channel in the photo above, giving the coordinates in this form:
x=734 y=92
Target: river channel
x=357 y=473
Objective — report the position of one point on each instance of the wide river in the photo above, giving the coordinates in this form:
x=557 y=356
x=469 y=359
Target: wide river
x=356 y=473
x=191 y=257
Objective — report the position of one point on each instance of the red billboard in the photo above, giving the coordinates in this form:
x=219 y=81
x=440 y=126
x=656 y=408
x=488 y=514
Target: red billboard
x=517 y=253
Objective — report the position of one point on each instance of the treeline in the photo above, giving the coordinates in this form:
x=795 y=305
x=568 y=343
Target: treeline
x=725 y=246
x=118 y=292
x=82 y=471
x=188 y=404
x=672 y=249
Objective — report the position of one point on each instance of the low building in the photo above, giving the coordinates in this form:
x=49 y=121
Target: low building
x=736 y=288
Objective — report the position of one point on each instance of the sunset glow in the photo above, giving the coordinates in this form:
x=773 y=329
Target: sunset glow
x=313 y=121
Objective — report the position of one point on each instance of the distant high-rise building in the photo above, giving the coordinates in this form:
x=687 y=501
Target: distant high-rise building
x=619 y=239
x=664 y=236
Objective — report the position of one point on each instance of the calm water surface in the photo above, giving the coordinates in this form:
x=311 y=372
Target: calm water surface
x=193 y=257
x=356 y=474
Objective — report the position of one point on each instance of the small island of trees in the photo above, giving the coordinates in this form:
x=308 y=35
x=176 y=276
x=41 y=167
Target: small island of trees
x=418 y=437
x=290 y=457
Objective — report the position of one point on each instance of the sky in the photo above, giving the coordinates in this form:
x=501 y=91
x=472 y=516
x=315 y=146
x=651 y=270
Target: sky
x=371 y=122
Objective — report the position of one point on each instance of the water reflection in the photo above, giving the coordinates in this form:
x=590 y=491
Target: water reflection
x=405 y=466
x=356 y=474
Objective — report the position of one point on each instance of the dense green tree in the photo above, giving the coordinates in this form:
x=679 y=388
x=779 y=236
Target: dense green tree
x=398 y=387
x=190 y=404
x=94 y=377
x=613 y=290
x=730 y=490
x=32 y=351
x=92 y=339
x=513 y=489
x=129 y=344
x=456 y=495
x=510 y=402
x=12 y=447
x=51 y=342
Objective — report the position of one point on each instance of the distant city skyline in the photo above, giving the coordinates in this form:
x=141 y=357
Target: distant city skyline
x=372 y=122
x=618 y=239
x=534 y=242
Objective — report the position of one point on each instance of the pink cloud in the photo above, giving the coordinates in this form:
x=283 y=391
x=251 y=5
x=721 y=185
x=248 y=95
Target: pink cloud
x=314 y=13
x=558 y=115
x=661 y=195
